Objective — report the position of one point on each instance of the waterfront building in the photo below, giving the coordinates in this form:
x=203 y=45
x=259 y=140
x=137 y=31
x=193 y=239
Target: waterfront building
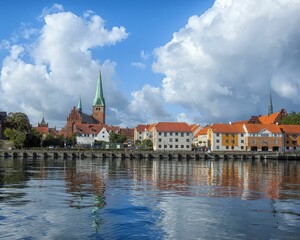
x=226 y=137
x=201 y=138
x=171 y=136
x=78 y=117
x=291 y=135
x=141 y=132
x=271 y=118
x=3 y=116
x=263 y=137
x=87 y=134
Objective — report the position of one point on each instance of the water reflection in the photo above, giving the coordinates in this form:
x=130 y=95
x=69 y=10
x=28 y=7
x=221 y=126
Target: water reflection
x=119 y=199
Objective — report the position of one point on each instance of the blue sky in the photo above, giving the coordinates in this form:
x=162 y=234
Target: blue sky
x=195 y=61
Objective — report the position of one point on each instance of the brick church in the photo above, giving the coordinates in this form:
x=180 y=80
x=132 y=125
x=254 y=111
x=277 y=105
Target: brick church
x=77 y=116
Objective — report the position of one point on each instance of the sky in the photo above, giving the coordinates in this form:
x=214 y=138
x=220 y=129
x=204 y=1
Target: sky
x=197 y=61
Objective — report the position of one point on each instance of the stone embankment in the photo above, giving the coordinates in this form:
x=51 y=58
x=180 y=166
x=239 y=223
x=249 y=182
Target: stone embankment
x=127 y=154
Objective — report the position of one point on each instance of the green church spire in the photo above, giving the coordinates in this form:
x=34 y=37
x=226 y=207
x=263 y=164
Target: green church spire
x=99 y=98
x=270 y=108
x=79 y=106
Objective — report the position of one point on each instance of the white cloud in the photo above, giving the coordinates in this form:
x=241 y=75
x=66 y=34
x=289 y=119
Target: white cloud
x=47 y=77
x=138 y=65
x=147 y=105
x=223 y=63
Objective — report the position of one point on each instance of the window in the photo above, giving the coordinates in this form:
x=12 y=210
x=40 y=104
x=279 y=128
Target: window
x=218 y=147
x=287 y=141
x=159 y=133
x=159 y=146
x=182 y=134
x=232 y=141
x=176 y=139
x=165 y=146
x=171 y=146
x=227 y=141
x=187 y=146
x=159 y=139
x=242 y=147
x=176 y=134
x=275 y=141
x=218 y=134
x=254 y=141
x=176 y=146
x=226 y=134
x=188 y=134
x=171 y=133
x=232 y=147
x=242 y=141
x=294 y=136
x=187 y=140
x=182 y=146
x=217 y=140
x=165 y=134
x=242 y=135
x=227 y=147
x=232 y=134
x=171 y=140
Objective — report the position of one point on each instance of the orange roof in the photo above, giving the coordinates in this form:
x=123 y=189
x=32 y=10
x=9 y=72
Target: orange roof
x=142 y=127
x=271 y=119
x=194 y=127
x=255 y=128
x=240 y=122
x=172 y=127
x=227 y=128
x=290 y=128
x=202 y=131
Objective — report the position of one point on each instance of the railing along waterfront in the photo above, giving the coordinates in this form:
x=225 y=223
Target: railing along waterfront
x=138 y=154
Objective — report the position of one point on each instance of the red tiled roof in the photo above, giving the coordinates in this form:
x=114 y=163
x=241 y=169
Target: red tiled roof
x=271 y=119
x=202 y=131
x=172 y=127
x=227 y=128
x=94 y=128
x=290 y=128
x=255 y=128
x=42 y=130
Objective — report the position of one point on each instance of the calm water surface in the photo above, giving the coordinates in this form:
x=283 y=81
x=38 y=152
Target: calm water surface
x=128 y=199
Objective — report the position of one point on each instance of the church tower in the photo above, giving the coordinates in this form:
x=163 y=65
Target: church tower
x=79 y=105
x=99 y=102
x=270 y=108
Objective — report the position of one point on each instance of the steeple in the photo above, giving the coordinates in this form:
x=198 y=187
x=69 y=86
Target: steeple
x=99 y=102
x=79 y=105
x=270 y=108
x=99 y=98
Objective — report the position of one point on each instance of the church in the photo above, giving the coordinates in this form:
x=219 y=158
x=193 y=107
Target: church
x=78 y=117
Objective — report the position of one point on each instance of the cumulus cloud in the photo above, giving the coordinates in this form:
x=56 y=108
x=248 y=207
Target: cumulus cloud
x=47 y=76
x=224 y=63
x=147 y=105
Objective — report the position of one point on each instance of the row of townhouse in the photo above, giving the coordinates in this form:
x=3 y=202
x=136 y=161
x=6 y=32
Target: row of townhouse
x=168 y=135
x=249 y=137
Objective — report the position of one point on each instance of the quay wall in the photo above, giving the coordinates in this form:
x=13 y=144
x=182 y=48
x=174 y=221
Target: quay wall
x=127 y=154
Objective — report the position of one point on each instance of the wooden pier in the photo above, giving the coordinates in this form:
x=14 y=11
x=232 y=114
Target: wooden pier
x=127 y=154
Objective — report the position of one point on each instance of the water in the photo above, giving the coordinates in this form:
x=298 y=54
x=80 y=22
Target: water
x=131 y=199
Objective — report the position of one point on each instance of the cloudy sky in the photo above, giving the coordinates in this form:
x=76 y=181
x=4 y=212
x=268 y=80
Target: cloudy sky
x=199 y=61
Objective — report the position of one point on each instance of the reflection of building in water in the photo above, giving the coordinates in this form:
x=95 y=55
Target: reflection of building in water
x=81 y=182
x=242 y=179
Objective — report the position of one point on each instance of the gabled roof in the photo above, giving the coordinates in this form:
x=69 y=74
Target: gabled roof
x=195 y=127
x=291 y=128
x=142 y=127
x=94 y=128
x=271 y=119
x=202 y=131
x=255 y=128
x=227 y=128
x=172 y=127
x=88 y=119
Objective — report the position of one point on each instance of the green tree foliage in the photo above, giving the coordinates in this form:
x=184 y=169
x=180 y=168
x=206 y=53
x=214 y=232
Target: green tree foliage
x=17 y=137
x=291 y=119
x=147 y=144
x=116 y=138
x=18 y=121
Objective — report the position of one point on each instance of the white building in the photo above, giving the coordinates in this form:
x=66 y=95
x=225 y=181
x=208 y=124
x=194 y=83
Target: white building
x=171 y=136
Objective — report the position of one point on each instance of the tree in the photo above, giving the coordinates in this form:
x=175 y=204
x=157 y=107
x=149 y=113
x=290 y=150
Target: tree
x=147 y=143
x=18 y=121
x=291 y=119
x=17 y=137
x=116 y=138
